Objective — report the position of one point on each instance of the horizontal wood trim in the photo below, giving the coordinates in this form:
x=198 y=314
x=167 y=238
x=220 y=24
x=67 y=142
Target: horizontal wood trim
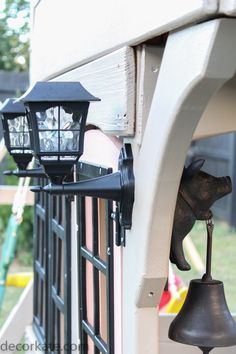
x=112 y=79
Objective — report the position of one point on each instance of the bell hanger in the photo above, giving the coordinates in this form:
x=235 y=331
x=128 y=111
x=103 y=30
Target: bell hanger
x=205 y=320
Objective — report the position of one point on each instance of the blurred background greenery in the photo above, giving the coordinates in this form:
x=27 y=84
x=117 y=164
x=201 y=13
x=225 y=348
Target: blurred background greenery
x=14 y=57
x=223 y=257
x=25 y=230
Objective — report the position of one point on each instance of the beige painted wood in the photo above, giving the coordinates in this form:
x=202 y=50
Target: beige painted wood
x=69 y=33
x=112 y=79
x=197 y=61
x=219 y=116
x=21 y=316
x=148 y=66
x=7 y=195
x=169 y=347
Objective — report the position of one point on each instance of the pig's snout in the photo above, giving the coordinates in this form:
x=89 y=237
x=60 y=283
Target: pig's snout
x=224 y=185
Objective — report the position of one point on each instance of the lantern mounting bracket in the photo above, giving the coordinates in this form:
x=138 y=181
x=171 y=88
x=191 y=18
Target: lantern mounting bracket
x=118 y=186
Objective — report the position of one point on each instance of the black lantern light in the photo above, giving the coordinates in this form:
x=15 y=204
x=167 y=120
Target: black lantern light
x=16 y=132
x=57 y=113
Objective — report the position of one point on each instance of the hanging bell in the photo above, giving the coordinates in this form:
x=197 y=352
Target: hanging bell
x=205 y=320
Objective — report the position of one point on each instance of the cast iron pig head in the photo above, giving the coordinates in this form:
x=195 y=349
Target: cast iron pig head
x=197 y=192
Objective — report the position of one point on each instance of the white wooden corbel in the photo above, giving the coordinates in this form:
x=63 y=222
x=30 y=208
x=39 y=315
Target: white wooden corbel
x=197 y=61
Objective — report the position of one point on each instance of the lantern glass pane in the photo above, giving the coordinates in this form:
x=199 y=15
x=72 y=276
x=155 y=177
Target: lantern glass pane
x=59 y=130
x=19 y=134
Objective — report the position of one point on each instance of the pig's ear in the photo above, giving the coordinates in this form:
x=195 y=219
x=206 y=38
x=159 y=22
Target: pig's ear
x=193 y=168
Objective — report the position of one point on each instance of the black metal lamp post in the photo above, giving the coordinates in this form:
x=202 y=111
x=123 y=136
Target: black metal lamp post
x=57 y=113
x=16 y=132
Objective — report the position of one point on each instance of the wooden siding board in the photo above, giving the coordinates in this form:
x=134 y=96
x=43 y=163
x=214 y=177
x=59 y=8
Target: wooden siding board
x=112 y=79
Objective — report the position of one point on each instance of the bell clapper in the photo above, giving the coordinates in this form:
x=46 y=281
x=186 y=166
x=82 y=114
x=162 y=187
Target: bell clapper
x=210 y=227
x=205 y=350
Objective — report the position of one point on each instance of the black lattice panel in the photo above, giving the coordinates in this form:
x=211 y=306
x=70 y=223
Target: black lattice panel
x=40 y=264
x=52 y=269
x=95 y=270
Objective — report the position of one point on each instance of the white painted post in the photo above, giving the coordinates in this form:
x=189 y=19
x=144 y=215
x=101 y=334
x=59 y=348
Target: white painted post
x=196 y=63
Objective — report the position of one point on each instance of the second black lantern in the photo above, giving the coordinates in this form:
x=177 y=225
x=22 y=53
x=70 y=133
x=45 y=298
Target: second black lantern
x=16 y=132
x=57 y=113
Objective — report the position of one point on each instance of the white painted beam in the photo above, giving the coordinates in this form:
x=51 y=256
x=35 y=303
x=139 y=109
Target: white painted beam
x=69 y=33
x=194 y=66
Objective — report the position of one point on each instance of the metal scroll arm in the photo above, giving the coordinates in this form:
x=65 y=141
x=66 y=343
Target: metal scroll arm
x=118 y=186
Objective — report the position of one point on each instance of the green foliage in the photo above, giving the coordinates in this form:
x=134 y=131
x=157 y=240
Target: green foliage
x=9 y=164
x=223 y=257
x=14 y=30
x=25 y=237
